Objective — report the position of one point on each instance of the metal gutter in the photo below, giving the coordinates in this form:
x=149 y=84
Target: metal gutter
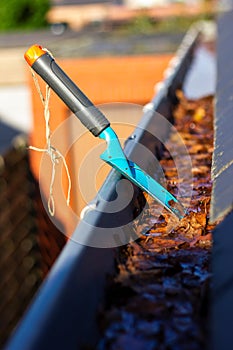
x=222 y=166
x=63 y=314
x=222 y=290
x=222 y=193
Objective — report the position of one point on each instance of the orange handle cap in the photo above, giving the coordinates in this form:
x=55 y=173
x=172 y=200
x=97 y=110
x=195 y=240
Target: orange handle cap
x=33 y=53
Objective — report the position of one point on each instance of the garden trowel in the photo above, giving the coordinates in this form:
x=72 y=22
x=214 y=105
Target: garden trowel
x=93 y=119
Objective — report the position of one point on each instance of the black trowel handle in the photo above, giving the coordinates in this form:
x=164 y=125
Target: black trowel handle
x=44 y=65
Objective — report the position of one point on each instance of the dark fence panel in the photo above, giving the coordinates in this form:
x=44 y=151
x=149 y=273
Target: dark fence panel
x=24 y=227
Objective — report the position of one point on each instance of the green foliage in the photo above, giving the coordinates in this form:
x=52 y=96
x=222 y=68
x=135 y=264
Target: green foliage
x=143 y=24
x=180 y=23
x=23 y=14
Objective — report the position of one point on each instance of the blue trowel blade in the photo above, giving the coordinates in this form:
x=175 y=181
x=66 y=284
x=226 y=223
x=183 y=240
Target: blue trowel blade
x=115 y=157
x=149 y=185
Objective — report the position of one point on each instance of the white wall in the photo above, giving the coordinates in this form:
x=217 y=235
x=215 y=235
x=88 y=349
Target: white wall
x=144 y=3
